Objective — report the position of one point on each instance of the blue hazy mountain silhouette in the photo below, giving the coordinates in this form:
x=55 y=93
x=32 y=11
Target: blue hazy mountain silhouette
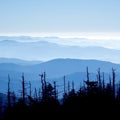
x=19 y=61
x=73 y=69
x=43 y=50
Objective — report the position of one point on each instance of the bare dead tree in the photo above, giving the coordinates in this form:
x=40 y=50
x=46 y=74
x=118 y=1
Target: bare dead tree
x=103 y=83
x=72 y=85
x=64 y=84
x=99 y=79
x=30 y=91
x=42 y=82
x=87 y=74
x=8 y=93
x=55 y=90
x=23 y=88
x=113 y=81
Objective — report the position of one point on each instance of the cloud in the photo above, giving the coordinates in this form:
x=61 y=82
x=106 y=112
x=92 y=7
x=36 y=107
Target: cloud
x=107 y=40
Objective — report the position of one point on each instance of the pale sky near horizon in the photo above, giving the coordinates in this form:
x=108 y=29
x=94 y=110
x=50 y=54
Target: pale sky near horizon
x=61 y=16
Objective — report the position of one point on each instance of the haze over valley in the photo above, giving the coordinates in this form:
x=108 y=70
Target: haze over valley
x=48 y=48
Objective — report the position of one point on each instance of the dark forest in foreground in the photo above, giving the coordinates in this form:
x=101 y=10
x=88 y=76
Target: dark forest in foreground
x=94 y=99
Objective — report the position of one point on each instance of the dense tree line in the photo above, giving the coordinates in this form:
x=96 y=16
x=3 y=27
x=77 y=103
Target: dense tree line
x=95 y=99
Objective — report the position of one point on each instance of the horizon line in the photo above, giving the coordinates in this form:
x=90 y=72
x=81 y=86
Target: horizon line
x=68 y=35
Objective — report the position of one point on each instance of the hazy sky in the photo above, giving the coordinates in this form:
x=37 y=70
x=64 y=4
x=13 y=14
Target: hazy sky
x=59 y=16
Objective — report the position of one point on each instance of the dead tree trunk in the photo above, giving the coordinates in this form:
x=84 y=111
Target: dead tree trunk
x=8 y=93
x=30 y=91
x=23 y=88
x=99 y=80
x=113 y=81
x=64 y=85
x=55 y=91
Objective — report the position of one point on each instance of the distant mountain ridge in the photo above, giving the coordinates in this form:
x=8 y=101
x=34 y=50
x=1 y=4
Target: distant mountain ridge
x=59 y=67
x=73 y=69
x=44 y=50
x=68 y=66
x=18 y=61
